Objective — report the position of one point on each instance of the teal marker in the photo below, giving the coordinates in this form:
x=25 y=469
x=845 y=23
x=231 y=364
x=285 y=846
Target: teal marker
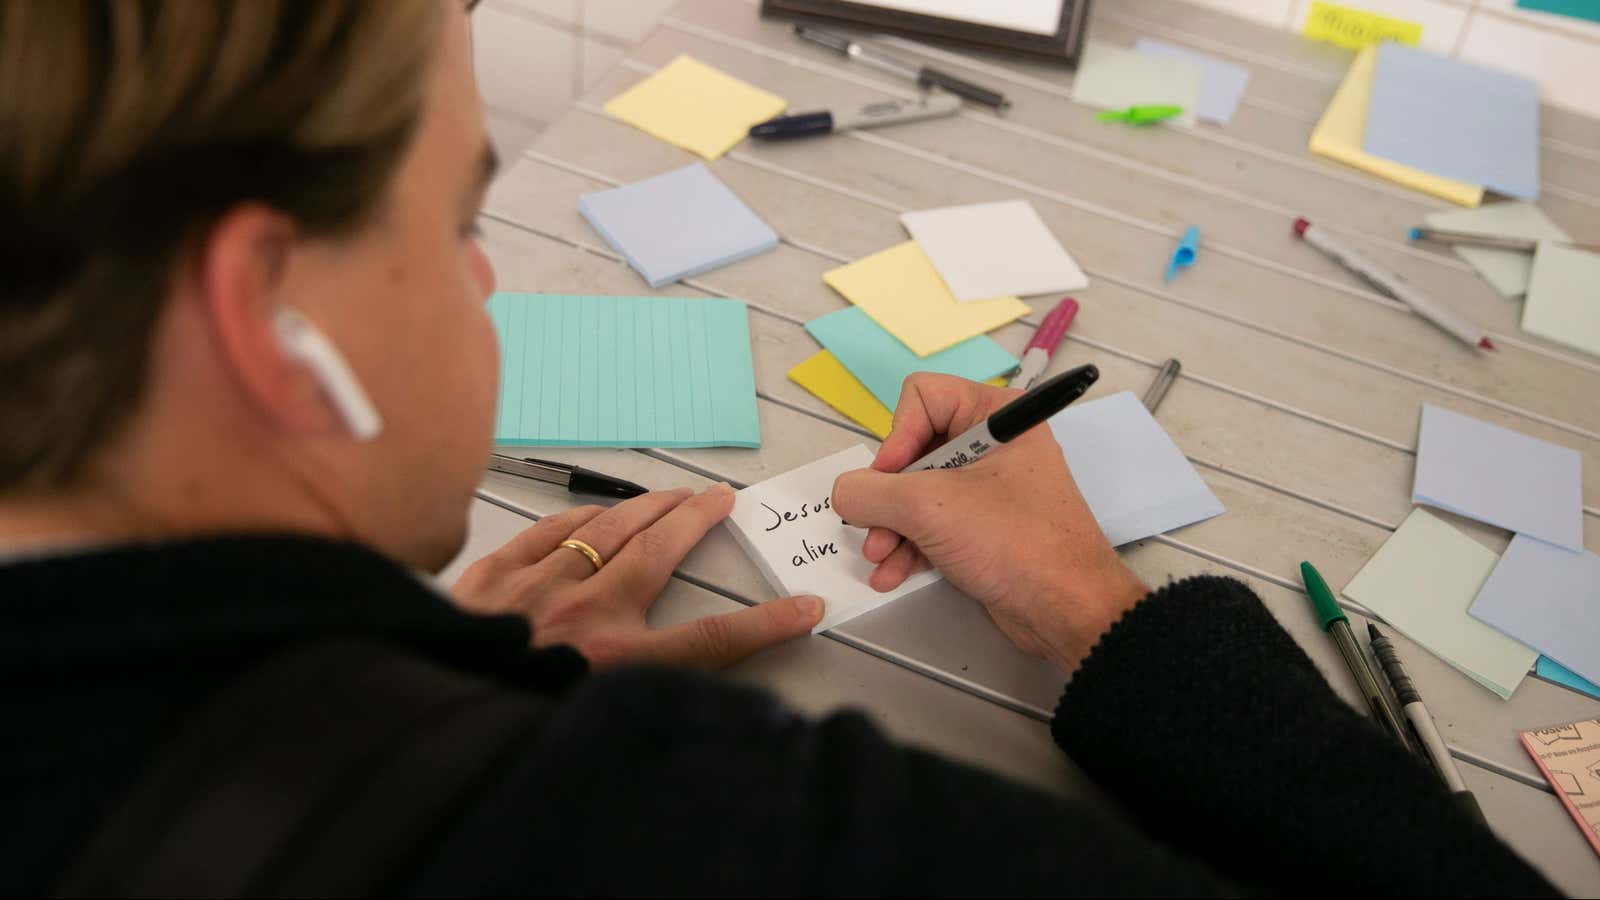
x=1337 y=625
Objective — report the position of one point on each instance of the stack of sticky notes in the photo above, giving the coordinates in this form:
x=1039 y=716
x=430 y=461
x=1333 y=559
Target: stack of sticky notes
x=677 y=224
x=925 y=305
x=1492 y=616
x=1569 y=757
x=624 y=372
x=1443 y=126
x=1156 y=74
x=694 y=106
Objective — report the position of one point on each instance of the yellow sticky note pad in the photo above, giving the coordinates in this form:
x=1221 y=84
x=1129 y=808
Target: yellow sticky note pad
x=902 y=291
x=1357 y=28
x=1340 y=133
x=694 y=106
x=822 y=374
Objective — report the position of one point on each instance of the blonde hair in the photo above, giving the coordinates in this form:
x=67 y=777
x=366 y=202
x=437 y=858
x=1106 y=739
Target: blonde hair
x=127 y=127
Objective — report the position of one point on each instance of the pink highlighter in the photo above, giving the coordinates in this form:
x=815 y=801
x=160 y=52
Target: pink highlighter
x=1044 y=343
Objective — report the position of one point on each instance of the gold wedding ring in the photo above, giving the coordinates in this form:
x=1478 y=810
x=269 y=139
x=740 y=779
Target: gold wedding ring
x=588 y=552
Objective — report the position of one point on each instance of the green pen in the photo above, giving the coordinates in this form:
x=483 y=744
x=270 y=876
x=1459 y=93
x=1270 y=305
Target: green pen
x=1139 y=115
x=1337 y=625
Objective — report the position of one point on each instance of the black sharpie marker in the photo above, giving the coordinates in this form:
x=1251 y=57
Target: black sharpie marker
x=1011 y=420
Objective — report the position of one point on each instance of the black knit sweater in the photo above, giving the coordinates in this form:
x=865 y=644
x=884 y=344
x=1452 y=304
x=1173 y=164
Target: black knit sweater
x=1237 y=768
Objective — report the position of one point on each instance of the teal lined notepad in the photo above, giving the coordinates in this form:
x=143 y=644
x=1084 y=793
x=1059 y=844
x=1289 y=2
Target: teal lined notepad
x=624 y=372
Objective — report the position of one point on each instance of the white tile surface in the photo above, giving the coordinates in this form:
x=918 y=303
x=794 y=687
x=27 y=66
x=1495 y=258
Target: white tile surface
x=1269 y=12
x=1566 y=67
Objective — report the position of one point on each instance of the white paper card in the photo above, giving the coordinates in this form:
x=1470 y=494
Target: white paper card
x=1499 y=476
x=1136 y=480
x=1549 y=599
x=1222 y=86
x=788 y=527
x=990 y=250
x=1110 y=77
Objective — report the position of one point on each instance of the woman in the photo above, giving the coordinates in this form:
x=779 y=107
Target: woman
x=248 y=389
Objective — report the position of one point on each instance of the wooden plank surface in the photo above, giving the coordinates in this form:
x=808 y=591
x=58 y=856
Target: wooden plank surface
x=1301 y=390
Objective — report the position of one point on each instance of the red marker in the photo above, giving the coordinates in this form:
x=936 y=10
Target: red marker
x=1044 y=343
x=1391 y=285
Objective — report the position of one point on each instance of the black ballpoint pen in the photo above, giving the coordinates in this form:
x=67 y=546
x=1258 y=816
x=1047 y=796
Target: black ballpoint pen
x=576 y=479
x=1421 y=721
x=923 y=75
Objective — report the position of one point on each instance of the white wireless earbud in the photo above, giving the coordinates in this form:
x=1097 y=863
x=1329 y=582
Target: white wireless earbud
x=304 y=342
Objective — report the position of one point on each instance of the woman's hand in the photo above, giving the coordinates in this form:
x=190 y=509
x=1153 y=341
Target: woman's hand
x=1011 y=530
x=602 y=613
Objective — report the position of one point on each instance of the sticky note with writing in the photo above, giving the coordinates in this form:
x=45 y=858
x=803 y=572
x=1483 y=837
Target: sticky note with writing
x=1357 y=28
x=788 y=527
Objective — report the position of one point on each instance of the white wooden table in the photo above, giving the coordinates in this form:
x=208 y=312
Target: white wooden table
x=1298 y=403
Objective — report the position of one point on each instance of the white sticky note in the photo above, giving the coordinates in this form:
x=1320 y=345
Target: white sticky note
x=989 y=250
x=1564 y=297
x=1421 y=581
x=677 y=224
x=1548 y=598
x=1222 y=86
x=788 y=527
x=1115 y=78
x=1507 y=271
x=1499 y=476
x=1135 y=479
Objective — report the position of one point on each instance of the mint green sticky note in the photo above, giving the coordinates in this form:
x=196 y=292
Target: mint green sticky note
x=581 y=371
x=880 y=362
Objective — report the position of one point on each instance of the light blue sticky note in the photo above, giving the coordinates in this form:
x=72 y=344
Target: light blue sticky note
x=1222 y=83
x=1136 y=480
x=677 y=225
x=1499 y=476
x=1455 y=119
x=1546 y=597
x=1550 y=670
x=624 y=372
x=880 y=362
x=1184 y=254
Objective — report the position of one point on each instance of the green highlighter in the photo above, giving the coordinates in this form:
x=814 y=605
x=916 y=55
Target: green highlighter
x=1337 y=625
x=1139 y=115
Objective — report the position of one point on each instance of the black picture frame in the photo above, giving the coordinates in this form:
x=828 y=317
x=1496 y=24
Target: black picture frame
x=1062 y=47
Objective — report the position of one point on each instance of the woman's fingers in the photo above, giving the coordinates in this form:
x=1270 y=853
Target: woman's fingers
x=719 y=641
x=539 y=539
x=904 y=562
x=643 y=565
x=610 y=531
x=879 y=544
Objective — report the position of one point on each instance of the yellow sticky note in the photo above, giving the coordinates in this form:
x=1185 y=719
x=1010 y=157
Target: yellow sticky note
x=1343 y=127
x=902 y=291
x=694 y=106
x=1357 y=28
x=823 y=375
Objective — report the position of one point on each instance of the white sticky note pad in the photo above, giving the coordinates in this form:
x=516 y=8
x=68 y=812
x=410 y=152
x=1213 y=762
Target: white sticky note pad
x=788 y=527
x=1110 y=77
x=1499 y=476
x=989 y=250
x=1137 y=482
x=1422 y=580
x=1549 y=599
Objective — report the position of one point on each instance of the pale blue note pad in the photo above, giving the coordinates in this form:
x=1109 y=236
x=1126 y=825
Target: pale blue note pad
x=880 y=362
x=1136 y=480
x=1222 y=83
x=1499 y=476
x=676 y=225
x=624 y=372
x=1455 y=119
x=1548 y=598
x=1550 y=670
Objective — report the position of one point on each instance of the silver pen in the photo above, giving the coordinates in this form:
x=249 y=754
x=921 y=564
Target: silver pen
x=1164 y=379
x=884 y=112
